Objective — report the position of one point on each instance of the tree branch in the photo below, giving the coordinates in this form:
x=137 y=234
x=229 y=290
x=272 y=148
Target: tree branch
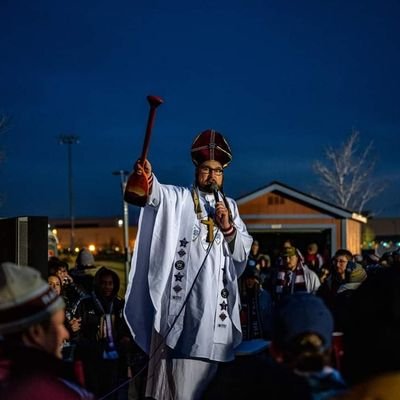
x=346 y=174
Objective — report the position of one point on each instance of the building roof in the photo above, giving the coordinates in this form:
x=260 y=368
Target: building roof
x=279 y=187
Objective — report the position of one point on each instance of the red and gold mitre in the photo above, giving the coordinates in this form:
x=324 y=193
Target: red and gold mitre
x=211 y=145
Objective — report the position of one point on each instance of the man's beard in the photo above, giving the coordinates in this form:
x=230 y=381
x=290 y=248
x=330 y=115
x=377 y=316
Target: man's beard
x=208 y=187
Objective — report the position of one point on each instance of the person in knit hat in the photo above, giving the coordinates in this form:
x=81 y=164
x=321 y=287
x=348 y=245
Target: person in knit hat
x=84 y=271
x=182 y=302
x=294 y=276
x=84 y=259
x=32 y=333
x=297 y=363
x=302 y=331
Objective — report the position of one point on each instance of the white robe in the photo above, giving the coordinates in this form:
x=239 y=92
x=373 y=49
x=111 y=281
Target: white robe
x=170 y=249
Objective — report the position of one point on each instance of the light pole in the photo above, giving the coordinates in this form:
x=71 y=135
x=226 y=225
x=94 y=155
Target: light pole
x=69 y=140
x=123 y=176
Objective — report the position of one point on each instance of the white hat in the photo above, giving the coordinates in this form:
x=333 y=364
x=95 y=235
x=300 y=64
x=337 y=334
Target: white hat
x=25 y=298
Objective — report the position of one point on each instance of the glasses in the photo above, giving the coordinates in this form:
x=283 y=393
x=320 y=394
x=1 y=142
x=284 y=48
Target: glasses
x=208 y=170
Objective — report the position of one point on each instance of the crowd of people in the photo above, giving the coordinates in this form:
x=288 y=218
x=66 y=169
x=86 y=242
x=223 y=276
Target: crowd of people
x=100 y=340
x=334 y=279
x=345 y=341
x=96 y=345
x=299 y=328
x=207 y=313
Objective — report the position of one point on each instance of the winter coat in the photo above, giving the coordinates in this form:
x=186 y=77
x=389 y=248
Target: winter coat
x=29 y=373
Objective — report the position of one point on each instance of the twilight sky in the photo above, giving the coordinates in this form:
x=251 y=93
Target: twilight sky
x=280 y=79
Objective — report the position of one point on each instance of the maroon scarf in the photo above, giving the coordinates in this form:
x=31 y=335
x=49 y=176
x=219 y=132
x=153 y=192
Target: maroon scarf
x=289 y=282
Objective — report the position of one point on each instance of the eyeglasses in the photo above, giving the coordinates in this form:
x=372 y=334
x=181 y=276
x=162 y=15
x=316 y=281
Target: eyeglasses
x=208 y=170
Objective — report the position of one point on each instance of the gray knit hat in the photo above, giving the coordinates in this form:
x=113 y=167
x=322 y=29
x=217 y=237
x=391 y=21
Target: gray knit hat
x=85 y=258
x=25 y=298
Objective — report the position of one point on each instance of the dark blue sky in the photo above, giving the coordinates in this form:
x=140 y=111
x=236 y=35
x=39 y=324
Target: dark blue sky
x=281 y=79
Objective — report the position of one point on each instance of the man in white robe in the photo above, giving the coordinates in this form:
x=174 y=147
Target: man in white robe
x=182 y=301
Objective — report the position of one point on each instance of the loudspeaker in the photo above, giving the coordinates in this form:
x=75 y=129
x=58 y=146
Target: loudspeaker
x=24 y=241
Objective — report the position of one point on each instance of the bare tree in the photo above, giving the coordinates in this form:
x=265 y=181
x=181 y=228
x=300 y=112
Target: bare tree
x=346 y=174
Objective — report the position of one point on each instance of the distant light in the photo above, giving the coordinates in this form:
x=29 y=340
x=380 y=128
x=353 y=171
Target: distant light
x=120 y=222
x=76 y=249
x=276 y=226
x=92 y=248
x=117 y=248
x=54 y=231
x=385 y=244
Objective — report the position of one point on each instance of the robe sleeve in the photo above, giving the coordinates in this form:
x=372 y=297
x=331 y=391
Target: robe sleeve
x=242 y=242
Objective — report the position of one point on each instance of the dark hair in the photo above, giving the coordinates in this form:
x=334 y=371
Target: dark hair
x=344 y=252
x=306 y=352
x=290 y=241
x=59 y=280
x=263 y=258
x=55 y=264
x=55 y=276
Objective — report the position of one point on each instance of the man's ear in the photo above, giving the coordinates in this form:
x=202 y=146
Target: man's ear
x=33 y=335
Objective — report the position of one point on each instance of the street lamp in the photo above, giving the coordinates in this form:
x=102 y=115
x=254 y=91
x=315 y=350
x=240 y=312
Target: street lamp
x=123 y=176
x=69 y=140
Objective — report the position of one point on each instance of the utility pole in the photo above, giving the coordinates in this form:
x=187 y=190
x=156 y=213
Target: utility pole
x=69 y=140
x=123 y=177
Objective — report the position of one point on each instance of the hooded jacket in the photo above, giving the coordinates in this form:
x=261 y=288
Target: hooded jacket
x=92 y=313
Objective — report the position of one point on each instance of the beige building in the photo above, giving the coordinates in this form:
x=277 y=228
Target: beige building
x=278 y=212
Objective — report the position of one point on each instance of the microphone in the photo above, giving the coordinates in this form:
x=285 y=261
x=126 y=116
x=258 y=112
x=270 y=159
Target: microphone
x=214 y=188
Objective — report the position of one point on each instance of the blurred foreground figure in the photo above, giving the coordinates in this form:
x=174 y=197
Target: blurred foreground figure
x=32 y=334
x=371 y=338
x=302 y=341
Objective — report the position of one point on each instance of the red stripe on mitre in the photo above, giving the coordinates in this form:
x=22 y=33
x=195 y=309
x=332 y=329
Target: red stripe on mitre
x=31 y=307
x=211 y=145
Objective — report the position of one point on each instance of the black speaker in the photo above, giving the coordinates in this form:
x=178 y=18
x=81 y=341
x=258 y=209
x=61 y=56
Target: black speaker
x=24 y=241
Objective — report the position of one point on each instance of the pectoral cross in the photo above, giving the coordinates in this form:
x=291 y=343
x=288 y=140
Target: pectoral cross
x=210 y=228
